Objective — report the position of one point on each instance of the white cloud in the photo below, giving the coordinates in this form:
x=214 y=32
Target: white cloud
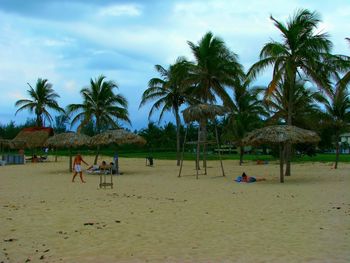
x=120 y=10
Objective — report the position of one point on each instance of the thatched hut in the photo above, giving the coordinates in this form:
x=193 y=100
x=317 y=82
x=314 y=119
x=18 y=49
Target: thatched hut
x=280 y=134
x=34 y=137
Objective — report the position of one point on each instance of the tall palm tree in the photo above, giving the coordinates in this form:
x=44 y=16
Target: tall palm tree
x=301 y=51
x=337 y=113
x=169 y=92
x=346 y=78
x=42 y=98
x=100 y=104
x=245 y=115
x=216 y=68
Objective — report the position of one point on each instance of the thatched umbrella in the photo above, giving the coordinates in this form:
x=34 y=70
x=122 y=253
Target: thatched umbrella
x=34 y=137
x=118 y=137
x=280 y=134
x=68 y=140
x=201 y=113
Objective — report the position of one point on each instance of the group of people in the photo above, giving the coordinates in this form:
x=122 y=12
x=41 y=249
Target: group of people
x=78 y=160
x=244 y=178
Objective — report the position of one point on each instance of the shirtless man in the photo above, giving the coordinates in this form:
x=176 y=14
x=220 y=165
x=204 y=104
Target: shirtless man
x=77 y=167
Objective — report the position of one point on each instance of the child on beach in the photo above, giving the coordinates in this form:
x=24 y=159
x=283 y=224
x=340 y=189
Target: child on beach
x=77 y=167
x=248 y=179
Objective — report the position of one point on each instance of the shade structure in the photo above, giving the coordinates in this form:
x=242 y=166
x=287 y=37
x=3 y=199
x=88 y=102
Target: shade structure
x=203 y=111
x=280 y=134
x=68 y=140
x=31 y=138
x=118 y=137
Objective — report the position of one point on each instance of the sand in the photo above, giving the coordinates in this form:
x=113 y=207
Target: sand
x=153 y=216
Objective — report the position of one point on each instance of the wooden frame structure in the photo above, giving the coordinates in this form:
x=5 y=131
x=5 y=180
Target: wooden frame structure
x=200 y=142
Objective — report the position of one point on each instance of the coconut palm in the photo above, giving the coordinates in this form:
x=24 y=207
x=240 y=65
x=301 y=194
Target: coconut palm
x=169 y=92
x=346 y=78
x=304 y=100
x=101 y=104
x=337 y=113
x=244 y=115
x=42 y=98
x=301 y=51
x=216 y=68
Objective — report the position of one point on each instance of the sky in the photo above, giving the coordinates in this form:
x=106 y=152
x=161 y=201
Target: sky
x=69 y=42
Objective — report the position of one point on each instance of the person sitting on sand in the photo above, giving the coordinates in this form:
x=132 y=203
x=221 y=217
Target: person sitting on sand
x=249 y=179
x=77 y=167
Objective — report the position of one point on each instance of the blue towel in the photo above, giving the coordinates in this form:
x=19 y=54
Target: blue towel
x=238 y=179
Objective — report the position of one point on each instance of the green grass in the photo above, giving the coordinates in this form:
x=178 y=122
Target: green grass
x=169 y=155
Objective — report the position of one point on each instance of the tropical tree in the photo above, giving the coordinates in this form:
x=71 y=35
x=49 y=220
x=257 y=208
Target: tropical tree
x=305 y=104
x=42 y=98
x=346 y=78
x=245 y=114
x=337 y=114
x=169 y=92
x=101 y=105
x=216 y=68
x=301 y=51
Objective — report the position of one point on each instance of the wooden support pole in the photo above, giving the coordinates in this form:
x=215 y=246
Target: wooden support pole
x=183 y=152
x=219 y=151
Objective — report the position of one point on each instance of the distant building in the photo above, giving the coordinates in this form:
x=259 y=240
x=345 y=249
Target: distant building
x=345 y=142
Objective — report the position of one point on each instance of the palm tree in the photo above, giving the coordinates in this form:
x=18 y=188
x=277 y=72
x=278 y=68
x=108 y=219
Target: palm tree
x=346 y=78
x=42 y=98
x=216 y=67
x=245 y=114
x=169 y=93
x=301 y=51
x=101 y=105
x=337 y=113
x=304 y=100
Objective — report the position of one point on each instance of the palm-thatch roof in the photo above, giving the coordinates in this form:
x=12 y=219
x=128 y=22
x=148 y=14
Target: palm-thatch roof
x=203 y=112
x=68 y=139
x=280 y=134
x=119 y=137
x=33 y=137
x=5 y=143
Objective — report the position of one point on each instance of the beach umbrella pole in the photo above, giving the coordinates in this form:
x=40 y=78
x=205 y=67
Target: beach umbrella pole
x=183 y=152
x=219 y=151
x=198 y=149
x=70 y=160
x=281 y=163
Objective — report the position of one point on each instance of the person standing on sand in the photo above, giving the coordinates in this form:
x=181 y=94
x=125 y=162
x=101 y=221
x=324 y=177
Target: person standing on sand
x=77 y=167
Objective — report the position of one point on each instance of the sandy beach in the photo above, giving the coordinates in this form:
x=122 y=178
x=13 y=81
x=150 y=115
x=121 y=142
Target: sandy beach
x=151 y=215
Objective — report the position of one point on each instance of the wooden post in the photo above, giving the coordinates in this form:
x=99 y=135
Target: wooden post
x=219 y=151
x=281 y=162
x=183 y=152
x=198 y=149
x=70 y=159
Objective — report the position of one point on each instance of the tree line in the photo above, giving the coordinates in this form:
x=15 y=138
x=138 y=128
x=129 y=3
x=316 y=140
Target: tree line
x=308 y=88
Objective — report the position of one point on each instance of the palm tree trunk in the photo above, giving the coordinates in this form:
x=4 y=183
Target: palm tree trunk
x=178 y=123
x=98 y=128
x=183 y=152
x=97 y=154
x=336 y=152
x=288 y=147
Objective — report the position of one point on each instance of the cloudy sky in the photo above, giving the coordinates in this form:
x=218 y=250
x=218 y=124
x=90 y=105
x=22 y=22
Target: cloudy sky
x=70 y=41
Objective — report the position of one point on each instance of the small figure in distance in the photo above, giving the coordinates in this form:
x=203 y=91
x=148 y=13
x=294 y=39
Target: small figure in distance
x=248 y=179
x=77 y=167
